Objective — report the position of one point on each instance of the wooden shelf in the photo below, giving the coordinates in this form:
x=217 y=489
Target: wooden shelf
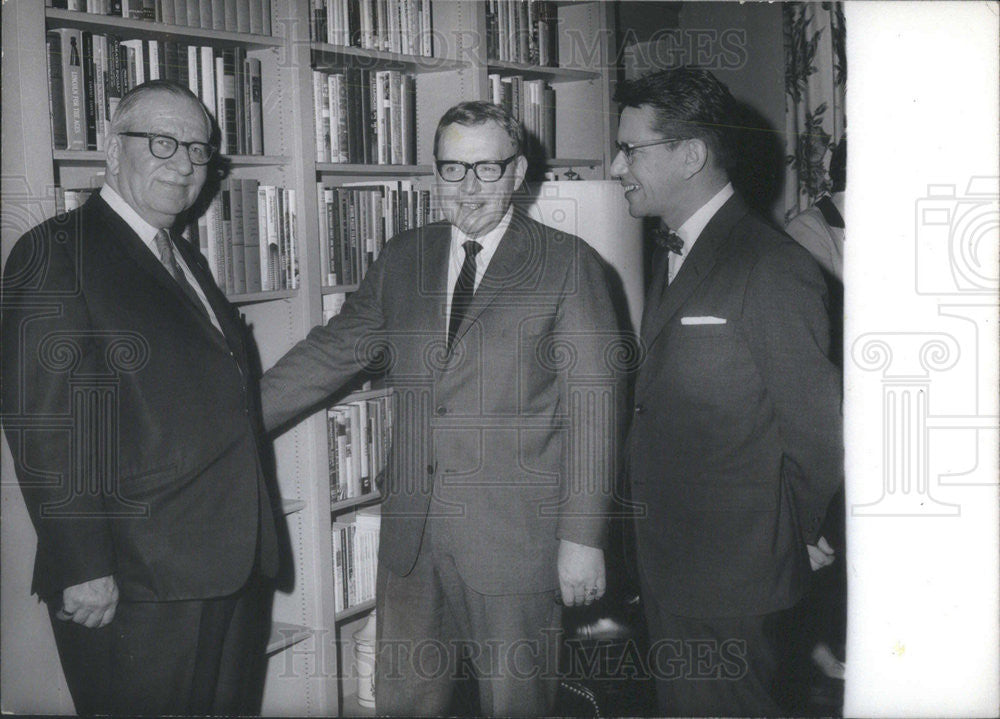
x=355 y=611
x=284 y=635
x=96 y=157
x=249 y=298
x=343 y=168
x=338 y=289
x=372 y=497
x=148 y=30
x=336 y=57
x=291 y=506
x=553 y=75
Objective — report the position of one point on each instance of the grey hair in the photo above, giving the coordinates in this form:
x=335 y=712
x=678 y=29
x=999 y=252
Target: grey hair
x=128 y=104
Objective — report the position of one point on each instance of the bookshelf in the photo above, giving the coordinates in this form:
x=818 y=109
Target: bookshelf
x=309 y=671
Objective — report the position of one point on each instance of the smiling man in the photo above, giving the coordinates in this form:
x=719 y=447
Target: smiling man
x=497 y=336
x=129 y=407
x=735 y=447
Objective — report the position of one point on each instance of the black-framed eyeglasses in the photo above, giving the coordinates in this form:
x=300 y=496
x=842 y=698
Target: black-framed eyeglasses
x=628 y=149
x=164 y=147
x=485 y=170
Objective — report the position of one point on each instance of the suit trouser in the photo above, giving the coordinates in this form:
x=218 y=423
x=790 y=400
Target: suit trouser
x=714 y=666
x=181 y=657
x=432 y=629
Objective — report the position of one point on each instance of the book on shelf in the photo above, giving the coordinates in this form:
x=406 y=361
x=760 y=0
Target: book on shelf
x=358 y=433
x=365 y=116
x=90 y=72
x=522 y=31
x=533 y=102
x=245 y=236
x=243 y=16
x=355 y=558
x=400 y=26
x=356 y=219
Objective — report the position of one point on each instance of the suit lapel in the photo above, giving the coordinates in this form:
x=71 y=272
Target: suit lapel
x=699 y=263
x=427 y=306
x=140 y=254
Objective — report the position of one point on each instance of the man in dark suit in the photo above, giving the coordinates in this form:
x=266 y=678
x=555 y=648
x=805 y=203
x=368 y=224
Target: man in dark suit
x=498 y=338
x=735 y=446
x=131 y=415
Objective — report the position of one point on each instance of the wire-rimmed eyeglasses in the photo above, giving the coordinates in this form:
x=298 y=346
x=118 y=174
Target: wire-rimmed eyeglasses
x=485 y=170
x=628 y=149
x=164 y=147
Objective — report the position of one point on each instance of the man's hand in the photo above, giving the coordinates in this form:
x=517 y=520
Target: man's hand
x=91 y=603
x=581 y=573
x=821 y=554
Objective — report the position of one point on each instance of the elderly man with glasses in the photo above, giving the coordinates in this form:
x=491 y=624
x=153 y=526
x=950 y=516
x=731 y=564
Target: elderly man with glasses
x=130 y=410
x=498 y=338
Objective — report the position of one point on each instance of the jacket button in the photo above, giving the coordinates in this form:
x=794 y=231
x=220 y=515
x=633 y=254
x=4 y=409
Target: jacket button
x=639 y=409
x=430 y=469
x=441 y=411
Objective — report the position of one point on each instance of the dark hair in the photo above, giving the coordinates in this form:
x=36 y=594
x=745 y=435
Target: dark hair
x=132 y=98
x=688 y=103
x=838 y=166
x=477 y=112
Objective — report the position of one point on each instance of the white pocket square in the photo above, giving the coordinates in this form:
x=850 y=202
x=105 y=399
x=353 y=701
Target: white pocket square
x=703 y=320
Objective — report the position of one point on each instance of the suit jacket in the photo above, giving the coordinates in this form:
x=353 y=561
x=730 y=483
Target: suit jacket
x=507 y=441
x=130 y=417
x=735 y=447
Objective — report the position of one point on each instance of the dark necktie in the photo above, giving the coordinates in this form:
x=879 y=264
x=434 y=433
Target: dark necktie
x=668 y=239
x=166 y=249
x=465 y=287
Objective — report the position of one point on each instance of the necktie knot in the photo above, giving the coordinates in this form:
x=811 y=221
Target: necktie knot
x=472 y=248
x=668 y=239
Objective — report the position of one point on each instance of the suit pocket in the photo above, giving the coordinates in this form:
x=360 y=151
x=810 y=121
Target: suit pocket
x=705 y=331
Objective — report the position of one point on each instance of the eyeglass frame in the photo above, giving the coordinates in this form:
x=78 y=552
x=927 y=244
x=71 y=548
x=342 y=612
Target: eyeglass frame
x=474 y=166
x=627 y=149
x=151 y=136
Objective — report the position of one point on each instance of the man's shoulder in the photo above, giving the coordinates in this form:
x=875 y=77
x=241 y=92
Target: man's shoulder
x=57 y=246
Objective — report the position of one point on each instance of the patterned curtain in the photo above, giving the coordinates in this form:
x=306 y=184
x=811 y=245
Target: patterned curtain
x=815 y=82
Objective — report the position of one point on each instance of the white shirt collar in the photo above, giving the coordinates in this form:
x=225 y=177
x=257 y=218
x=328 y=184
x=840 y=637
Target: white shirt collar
x=146 y=232
x=695 y=224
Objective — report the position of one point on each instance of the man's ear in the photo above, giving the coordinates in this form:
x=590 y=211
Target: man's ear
x=695 y=156
x=520 y=170
x=112 y=153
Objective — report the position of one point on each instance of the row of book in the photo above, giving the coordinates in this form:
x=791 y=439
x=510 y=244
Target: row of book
x=365 y=117
x=522 y=31
x=89 y=73
x=358 y=436
x=249 y=235
x=357 y=219
x=401 y=26
x=355 y=559
x=533 y=102
x=249 y=16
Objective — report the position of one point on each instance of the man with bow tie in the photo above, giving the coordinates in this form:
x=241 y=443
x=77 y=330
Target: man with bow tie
x=735 y=445
x=498 y=338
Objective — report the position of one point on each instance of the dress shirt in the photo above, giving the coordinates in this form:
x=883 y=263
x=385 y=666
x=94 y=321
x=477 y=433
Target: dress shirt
x=693 y=227
x=489 y=242
x=147 y=233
